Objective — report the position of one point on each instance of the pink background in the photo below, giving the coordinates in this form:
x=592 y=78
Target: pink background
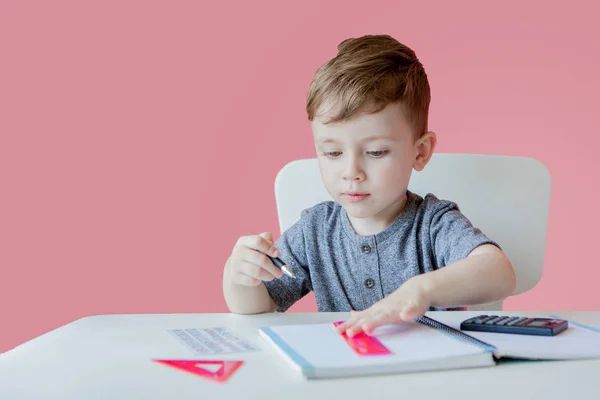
x=139 y=139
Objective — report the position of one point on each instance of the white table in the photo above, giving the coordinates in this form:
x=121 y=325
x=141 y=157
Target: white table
x=109 y=357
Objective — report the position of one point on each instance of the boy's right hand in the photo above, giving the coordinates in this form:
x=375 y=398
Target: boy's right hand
x=248 y=264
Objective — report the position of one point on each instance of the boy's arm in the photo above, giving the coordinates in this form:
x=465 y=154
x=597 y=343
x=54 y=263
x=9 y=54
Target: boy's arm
x=286 y=291
x=470 y=269
x=246 y=299
x=252 y=284
x=484 y=276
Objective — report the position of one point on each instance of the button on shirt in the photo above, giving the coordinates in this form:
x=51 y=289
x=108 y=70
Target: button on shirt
x=347 y=271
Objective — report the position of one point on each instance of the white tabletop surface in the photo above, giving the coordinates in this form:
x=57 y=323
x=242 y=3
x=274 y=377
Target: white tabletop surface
x=109 y=357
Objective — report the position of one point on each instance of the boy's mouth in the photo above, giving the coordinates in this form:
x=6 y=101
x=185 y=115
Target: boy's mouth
x=354 y=197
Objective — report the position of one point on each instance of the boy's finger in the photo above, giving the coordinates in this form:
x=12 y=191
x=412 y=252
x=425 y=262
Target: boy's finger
x=258 y=243
x=262 y=261
x=410 y=313
x=348 y=323
x=356 y=328
x=380 y=320
x=257 y=272
x=353 y=326
x=267 y=236
x=342 y=327
x=272 y=251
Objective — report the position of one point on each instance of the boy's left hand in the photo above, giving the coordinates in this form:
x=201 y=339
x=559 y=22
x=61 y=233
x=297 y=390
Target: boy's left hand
x=407 y=303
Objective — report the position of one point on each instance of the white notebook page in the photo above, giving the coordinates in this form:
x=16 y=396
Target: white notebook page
x=575 y=343
x=322 y=347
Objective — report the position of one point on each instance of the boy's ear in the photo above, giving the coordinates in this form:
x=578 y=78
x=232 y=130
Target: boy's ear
x=424 y=147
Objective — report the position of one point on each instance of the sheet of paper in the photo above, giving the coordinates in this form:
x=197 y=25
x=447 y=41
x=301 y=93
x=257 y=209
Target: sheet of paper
x=217 y=340
x=576 y=342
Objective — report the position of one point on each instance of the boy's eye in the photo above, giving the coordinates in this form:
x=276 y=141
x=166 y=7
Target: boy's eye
x=333 y=154
x=378 y=153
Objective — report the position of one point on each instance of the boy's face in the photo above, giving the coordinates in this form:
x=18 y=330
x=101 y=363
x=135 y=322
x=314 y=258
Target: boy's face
x=366 y=163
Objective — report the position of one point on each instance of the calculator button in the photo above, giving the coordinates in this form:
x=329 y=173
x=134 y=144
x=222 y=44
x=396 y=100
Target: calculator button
x=526 y=321
x=492 y=321
x=500 y=321
x=507 y=320
x=484 y=320
x=516 y=321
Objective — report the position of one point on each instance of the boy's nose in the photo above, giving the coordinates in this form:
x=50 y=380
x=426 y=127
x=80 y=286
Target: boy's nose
x=357 y=178
x=353 y=172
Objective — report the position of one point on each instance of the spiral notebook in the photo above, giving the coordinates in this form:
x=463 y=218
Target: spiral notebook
x=318 y=351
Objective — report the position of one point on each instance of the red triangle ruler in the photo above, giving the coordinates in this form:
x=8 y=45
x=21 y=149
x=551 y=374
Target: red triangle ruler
x=224 y=371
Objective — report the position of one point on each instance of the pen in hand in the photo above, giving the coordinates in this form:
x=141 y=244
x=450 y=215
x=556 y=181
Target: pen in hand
x=284 y=268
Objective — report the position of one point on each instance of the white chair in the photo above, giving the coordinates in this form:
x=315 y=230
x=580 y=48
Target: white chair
x=506 y=197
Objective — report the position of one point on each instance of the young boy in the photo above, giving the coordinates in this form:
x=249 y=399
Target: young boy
x=379 y=250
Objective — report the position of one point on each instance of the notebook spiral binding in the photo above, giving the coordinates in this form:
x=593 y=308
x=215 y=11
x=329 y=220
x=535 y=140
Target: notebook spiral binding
x=456 y=334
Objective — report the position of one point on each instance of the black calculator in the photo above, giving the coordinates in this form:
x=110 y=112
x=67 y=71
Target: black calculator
x=517 y=325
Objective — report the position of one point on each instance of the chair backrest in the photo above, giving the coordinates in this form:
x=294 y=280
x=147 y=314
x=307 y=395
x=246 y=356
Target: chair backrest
x=506 y=197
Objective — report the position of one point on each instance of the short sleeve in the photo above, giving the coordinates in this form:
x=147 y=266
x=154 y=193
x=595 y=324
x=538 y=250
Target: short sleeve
x=453 y=236
x=286 y=291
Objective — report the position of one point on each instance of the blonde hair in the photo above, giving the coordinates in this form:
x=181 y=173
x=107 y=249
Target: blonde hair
x=369 y=73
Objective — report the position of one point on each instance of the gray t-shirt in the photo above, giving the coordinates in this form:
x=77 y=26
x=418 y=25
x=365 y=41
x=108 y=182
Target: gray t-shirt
x=347 y=271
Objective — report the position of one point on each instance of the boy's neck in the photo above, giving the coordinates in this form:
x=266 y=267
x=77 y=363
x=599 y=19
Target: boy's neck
x=378 y=223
